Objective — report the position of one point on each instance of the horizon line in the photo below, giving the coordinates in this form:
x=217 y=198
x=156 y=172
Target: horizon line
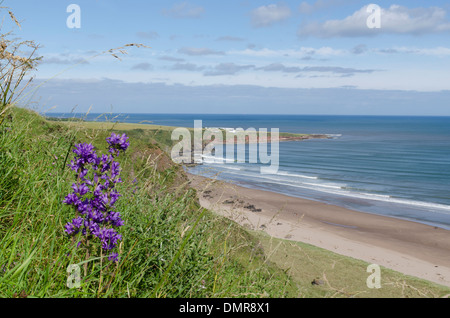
x=251 y=114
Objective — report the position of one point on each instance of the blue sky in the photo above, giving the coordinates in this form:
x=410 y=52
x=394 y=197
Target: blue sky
x=299 y=57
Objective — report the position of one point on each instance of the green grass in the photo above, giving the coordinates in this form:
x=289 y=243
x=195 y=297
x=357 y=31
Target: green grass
x=171 y=246
x=161 y=134
x=341 y=276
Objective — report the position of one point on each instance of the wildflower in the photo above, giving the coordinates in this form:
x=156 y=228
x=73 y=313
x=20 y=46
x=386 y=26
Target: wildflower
x=114 y=219
x=93 y=196
x=72 y=199
x=117 y=143
x=72 y=228
x=81 y=189
x=78 y=222
x=113 y=197
x=113 y=257
x=85 y=154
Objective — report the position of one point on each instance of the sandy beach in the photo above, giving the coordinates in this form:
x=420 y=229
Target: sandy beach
x=408 y=247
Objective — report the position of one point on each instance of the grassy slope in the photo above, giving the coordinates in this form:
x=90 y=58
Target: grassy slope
x=160 y=133
x=171 y=247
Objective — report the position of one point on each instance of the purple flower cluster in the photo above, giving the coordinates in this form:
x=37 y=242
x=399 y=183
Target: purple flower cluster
x=117 y=143
x=93 y=195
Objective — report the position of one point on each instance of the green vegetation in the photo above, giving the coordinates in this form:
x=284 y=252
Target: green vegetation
x=341 y=276
x=18 y=59
x=171 y=246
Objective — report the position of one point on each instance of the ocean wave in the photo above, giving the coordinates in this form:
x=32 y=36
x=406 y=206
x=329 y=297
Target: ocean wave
x=232 y=168
x=369 y=196
x=336 y=189
x=334 y=136
x=324 y=185
x=295 y=175
x=214 y=159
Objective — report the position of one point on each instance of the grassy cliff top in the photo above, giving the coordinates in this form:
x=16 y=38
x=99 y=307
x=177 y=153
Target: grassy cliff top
x=171 y=246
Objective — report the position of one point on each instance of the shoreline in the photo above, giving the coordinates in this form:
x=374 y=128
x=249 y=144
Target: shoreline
x=407 y=247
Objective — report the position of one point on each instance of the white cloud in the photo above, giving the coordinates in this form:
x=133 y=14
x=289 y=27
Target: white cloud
x=305 y=53
x=199 y=51
x=278 y=67
x=64 y=59
x=436 y=51
x=227 y=69
x=143 y=67
x=306 y=8
x=299 y=53
x=230 y=38
x=187 y=67
x=270 y=14
x=184 y=10
x=395 y=19
x=237 y=98
x=359 y=49
x=170 y=58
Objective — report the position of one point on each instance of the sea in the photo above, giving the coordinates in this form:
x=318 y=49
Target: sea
x=397 y=166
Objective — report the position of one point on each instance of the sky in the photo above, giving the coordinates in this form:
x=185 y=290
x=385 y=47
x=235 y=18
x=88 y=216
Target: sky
x=336 y=57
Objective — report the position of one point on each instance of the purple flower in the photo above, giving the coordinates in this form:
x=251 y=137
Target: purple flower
x=73 y=228
x=81 y=189
x=84 y=150
x=114 y=219
x=93 y=195
x=72 y=199
x=117 y=143
x=83 y=174
x=113 y=197
x=84 y=154
x=115 y=169
x=114 y=257
x=78 y=222
x=70 y=229
x=109 y=238
x=84 y=207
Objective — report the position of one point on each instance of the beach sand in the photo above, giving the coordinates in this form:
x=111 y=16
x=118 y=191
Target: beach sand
x=408 y=247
